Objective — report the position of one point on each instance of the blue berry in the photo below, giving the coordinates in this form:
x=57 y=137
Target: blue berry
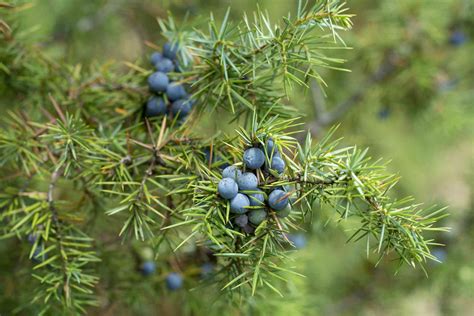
x=257 y=216
x=241 y=220
x=174 y=281
x=278 y=164
x=37 y=256
x=231 y=172
x=170 y=50
x=247 y=181
x=155 y=106
x=254 y=158
x=256 y=199
x=270 y=147
x=207 y=269
x=158 y=81
x=32 y=238
x=239 y=203
x=227 y=188
x=175 y=91
x=155 y=57
x=165 y=65
x=249 y=229
x=457 y=38
x=298 y=240
x=181 y=108
x=384 y=113
x=148 y=268
x=278 y=200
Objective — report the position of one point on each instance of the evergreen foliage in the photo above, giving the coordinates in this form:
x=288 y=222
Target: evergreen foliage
x=77 y=144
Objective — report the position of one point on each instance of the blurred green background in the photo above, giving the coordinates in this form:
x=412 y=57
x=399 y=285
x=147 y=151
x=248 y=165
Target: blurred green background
x=408 y=97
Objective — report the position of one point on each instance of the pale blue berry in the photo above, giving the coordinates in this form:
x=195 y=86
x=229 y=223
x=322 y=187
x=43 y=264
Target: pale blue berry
x=239 y=203
x=231 y=172
x=247 y=181
x=227 y=188
x=254 y=158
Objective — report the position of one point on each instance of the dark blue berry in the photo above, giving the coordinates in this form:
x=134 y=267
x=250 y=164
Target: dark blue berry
x=181 y=108
x=241 y=220
x=231 y=172
x=298 y=240
x=247 y=181
x=170 y=50
x=278 y=164
x=270 y=147
x=457 y=38
x=148 y=268
x=155 y=57
x=32 y=238
x=155 y=106
x=175 y=91
x=254 y=158
x=37 y=254
x=174 y=281
x=158 y=82
x=227 y=188
x=278 y=200
x=239 y=203
x=165 y=65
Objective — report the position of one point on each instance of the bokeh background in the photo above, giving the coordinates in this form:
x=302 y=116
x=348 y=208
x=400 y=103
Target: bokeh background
x=408 y=96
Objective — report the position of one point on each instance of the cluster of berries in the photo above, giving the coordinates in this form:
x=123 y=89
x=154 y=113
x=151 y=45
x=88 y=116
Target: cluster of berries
x=248 y=202
x=174 y=281
x=169 y=97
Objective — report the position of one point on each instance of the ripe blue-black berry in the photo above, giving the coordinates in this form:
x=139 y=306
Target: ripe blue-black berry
x=175 y=91
x=239 y=203
x=278 y=164
x=257 y=216
x=165 y=65
x=174 y=281
x=170 y=50
x=148 y=268
x=158 y=81
x=227 y=188
x=181 y=108
x=241 y=220
x=247 y=181
x=278 y=200
x=155 y=57
x=231 y=172
x=155 y=106
x=254 y=158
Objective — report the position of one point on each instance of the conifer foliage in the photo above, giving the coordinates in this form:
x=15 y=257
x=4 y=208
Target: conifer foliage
x=86 y=154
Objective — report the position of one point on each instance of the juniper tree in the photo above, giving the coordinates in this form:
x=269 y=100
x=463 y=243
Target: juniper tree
x=90 y=171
